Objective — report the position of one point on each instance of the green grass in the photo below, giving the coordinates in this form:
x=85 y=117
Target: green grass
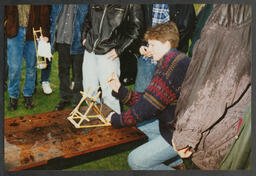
x=114 y=162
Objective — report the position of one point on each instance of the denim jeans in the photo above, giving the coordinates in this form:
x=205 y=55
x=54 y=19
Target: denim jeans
x=150 y=128
x=152 y=154
x=17 y=48
x=66 y=62
x=96 y=70
x=145 y=72
x=45 y=73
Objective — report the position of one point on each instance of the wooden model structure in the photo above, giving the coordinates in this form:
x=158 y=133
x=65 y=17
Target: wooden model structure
x=91 y=102
x=41 y=61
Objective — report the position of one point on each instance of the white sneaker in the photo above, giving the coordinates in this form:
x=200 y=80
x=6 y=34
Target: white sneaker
x=46 y=87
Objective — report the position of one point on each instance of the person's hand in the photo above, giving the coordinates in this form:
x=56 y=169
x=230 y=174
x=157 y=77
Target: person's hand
x=112 y=54
x=145 y=51
x=46 y=39
x=109 y=117
x=83 y=43
x=114 y=82
x=183 y=153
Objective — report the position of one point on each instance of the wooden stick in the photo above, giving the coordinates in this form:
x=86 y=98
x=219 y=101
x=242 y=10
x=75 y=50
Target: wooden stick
x=81 y=101
x=92 y=116
x=96 y=109
x=85 y=114
x=98 y=125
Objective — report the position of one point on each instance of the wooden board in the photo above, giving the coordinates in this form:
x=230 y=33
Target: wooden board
x=34 y=139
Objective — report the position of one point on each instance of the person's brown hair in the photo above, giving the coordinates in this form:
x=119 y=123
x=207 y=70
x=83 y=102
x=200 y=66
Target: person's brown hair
x=164 y=32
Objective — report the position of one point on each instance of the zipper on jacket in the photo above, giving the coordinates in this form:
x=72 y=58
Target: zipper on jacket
x=101 y=22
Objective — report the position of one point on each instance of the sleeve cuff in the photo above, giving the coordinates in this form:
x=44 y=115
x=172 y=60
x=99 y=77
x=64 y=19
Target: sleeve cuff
x=116 y=120
x=183 y=139
x=122 y=92
x=114 y=94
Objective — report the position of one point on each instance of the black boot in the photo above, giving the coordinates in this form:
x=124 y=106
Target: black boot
x=13 y=104
x=61 y=105
x=28 y=102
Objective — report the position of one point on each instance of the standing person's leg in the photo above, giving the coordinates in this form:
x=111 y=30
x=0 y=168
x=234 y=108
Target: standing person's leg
x=90 y=73
x=45 y=78
x=151 y=155
x=106 y=67
x=77 y=76
x=15 y=48
x=145 y=72
x=35 y=89
x=29 y=85
x=64 y=64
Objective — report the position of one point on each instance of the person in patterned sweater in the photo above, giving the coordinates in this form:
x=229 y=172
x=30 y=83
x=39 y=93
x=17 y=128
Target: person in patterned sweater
x=158 y=100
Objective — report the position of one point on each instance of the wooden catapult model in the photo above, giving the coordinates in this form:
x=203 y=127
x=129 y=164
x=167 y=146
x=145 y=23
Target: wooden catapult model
x=41 y=61
x=91 y=102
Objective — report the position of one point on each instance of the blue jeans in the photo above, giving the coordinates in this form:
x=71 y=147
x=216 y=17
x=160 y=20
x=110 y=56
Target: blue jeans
x=145 y=72
x=151 y=155
x=45 y=73
x=150 y=128
x=17 y=48
x=96 y=71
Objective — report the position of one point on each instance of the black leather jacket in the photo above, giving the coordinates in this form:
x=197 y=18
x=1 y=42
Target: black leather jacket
x=109 y=26
x=183 y=15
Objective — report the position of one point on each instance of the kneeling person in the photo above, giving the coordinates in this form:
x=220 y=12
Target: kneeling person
x=158 y=100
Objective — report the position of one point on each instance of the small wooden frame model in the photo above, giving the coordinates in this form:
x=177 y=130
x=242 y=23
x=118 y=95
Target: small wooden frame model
x=41 y=61
x=91 y=102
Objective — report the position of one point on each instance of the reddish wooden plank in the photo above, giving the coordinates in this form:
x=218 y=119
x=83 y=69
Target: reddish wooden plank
x=34 y=139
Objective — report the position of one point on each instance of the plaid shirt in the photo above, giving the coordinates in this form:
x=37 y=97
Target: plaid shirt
x=160 y=14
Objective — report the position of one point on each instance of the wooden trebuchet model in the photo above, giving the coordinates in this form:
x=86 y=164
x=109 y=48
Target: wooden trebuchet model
x=91 y=102
x=41 y=61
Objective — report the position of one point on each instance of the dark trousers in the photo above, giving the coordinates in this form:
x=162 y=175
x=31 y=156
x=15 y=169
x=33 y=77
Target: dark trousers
x=66 y=62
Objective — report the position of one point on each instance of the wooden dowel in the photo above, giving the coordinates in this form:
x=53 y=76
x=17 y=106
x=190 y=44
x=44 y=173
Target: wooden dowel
x=98 y=125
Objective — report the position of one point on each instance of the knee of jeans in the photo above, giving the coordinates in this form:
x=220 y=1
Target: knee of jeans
x=14 y=72
x=132 y=161
x=136 y=161
x=14 y=68
x=31 y=72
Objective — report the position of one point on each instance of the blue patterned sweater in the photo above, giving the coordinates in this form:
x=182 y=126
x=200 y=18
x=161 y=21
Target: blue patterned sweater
x=159 y=99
